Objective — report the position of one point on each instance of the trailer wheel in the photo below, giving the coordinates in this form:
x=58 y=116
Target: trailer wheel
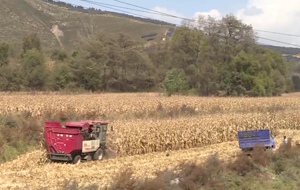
x=77 y=159
x=98 y=155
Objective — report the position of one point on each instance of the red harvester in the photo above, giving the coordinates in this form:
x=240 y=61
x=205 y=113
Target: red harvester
x=76 y=141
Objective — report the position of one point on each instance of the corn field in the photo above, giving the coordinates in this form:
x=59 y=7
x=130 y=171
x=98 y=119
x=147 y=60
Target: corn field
x=144 y=136
x=120 y=106
x=145 y=127
x=145 y=123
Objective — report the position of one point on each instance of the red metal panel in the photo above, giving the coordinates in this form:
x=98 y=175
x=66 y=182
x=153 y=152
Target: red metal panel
x=81 y=125
x=76 y=124
x=53 y=125
x=62 y=140
x=66 y=131
x=66 y=140
x=78 y=144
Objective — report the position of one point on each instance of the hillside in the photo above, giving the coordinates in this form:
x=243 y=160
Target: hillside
x=291 y=54
x=60 y=26
x=283 y=50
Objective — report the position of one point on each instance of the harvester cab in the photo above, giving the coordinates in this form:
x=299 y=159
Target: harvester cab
x=76 y=141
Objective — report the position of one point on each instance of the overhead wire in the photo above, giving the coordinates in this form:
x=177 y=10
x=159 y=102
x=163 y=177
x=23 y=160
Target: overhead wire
x=150 y=11
x=106 y=6
x=286 y=43
x=174 y=16
x=279 y=33
x=112 y=8
x=166 y=14
x=110 y=5
x=134 y=14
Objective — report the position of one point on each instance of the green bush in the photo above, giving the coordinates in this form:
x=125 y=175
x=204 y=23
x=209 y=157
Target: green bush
x=175 y=82
x=8 y=153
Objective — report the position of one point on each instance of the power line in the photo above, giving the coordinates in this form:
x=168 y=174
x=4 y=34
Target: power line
x=107 y=6
x=125 y=12
x=279 y=33
x=278 y=41
x=174 y=16
x=110 y=5
x=151 y=12
x=194 y=20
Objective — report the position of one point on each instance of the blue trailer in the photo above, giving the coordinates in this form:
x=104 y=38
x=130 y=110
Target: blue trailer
x=249 y=139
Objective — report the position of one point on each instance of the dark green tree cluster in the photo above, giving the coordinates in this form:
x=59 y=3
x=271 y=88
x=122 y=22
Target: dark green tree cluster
x=29 y=72
x=4 y=51
x=112 y=63
x=101 y=63
x=220 y=58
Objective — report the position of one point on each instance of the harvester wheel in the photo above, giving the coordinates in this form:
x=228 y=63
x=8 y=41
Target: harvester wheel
x=77 y=159
x=98 y=155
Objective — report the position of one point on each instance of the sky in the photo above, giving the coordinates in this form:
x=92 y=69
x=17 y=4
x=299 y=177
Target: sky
x=270 y=15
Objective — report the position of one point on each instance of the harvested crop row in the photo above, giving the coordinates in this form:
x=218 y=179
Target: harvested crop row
x=27 y=173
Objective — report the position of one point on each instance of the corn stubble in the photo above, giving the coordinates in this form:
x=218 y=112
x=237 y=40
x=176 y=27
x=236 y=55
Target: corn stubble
x=33 y=171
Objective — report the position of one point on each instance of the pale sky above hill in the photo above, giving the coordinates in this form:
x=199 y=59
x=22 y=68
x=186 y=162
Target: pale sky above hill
x=272 y=15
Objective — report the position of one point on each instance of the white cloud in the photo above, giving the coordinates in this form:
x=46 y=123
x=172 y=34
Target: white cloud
x=253 y=10
x=277 y=15
x=213 y=13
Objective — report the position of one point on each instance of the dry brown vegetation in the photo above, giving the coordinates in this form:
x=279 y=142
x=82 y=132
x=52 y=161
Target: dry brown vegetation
x=126 y=105
x=259 y=170
x=145 y=123
x=195 y=168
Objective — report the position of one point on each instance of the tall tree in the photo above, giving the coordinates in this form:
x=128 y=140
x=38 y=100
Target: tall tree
x=121 y=62
x=192 y=52
x=31 y=41
x=160 y=56
x=10 y=78
x=86 y=72
x=4 y=51
x=175 y=82
x=62 y=76
x=34 y=70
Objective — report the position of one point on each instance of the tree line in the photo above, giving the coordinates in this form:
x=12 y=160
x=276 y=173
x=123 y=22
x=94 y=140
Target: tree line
x=219 y=58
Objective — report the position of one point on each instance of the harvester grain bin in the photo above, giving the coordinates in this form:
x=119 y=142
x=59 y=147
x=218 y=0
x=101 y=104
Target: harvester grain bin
x=76 y=141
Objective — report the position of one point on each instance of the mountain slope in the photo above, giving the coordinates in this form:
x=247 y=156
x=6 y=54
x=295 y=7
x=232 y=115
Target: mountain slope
x=283 y=50
x=291 y=54
x=58 y=26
